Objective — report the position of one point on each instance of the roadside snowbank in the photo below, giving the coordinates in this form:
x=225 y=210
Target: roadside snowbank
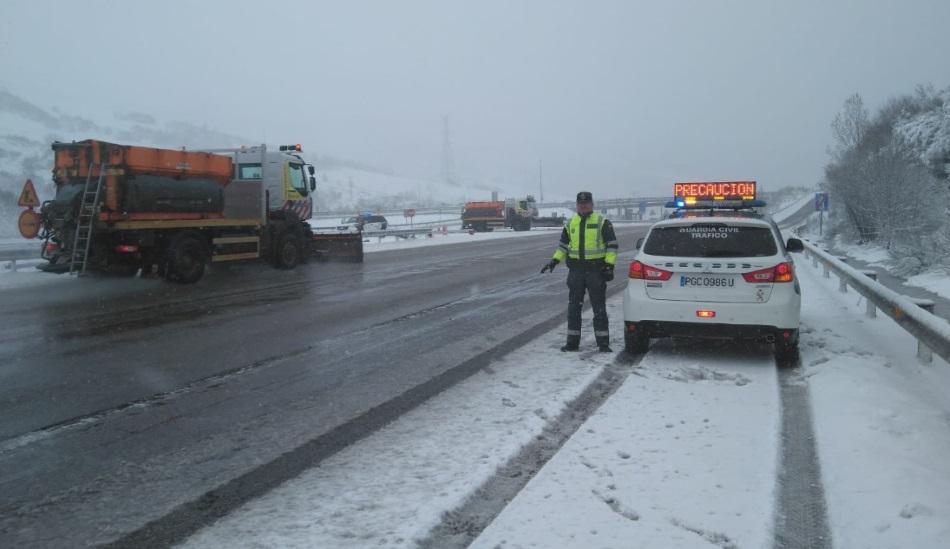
x=882 y=422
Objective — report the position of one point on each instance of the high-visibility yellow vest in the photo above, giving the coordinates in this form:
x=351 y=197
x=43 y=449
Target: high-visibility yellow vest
x=594 y=245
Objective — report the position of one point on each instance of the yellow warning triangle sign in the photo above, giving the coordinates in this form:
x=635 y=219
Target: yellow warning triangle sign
x=28 y=197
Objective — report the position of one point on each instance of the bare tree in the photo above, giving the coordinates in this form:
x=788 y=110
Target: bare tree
x=849 y=125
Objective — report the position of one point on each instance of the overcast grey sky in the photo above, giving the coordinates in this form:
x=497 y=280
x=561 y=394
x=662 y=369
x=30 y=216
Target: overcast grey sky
x=615 y=97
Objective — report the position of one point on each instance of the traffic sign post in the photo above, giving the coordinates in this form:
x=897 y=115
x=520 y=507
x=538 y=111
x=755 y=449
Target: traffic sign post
x=821 y=206
x=29 y=221
x=409 y=213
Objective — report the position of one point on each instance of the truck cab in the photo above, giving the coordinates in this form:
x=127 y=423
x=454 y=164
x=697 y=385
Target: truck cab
x=283 y=176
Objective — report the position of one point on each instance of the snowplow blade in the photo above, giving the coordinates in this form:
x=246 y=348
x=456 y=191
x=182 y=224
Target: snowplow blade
x=338 y=247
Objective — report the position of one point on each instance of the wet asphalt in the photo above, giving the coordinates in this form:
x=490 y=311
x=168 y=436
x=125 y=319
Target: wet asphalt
x=123 y=400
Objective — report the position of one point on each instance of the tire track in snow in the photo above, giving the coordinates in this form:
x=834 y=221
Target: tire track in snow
x=801 y=515
x=462 y=525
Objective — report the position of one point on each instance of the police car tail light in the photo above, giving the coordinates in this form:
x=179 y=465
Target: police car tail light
x=780 y=273
x=647 y=272
x=784 y=272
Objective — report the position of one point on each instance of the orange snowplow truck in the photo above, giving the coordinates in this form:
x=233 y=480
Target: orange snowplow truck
x=123 y=209
x=513 y=213
x=483 y=216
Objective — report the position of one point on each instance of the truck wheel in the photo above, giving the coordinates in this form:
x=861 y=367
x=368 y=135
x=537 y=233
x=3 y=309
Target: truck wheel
x=186 y=260
x=287 y=254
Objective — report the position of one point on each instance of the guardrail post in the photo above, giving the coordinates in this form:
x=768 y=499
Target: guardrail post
x=842 y=285
x=871 y=310
x=13 y=265
x=924 y=353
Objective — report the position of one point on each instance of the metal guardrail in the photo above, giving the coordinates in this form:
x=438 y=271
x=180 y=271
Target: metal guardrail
x=448 y=221
x=398 y=233
x=10 y=257
x=931 y=331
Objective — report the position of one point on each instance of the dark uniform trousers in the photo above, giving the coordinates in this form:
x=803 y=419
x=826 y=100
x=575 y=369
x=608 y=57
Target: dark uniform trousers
x=587 y=276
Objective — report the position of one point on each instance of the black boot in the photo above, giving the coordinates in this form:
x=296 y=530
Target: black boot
x=603 y=344
x=573 y=344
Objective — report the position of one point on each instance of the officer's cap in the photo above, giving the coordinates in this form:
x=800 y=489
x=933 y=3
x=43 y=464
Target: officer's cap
x=585 y=196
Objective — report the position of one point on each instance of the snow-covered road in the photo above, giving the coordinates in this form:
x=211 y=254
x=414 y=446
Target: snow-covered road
x=685 y=453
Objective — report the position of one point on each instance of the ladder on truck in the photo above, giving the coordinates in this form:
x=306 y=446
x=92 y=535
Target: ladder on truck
x=82 y=240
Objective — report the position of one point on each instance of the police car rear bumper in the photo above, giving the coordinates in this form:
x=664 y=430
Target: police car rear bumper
x=652 y=328
x=781 y=312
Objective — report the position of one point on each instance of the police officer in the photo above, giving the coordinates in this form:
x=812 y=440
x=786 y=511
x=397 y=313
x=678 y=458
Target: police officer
x=590 y=246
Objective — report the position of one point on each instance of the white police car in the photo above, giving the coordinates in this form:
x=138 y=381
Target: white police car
x=366 y=222
x=715 y=269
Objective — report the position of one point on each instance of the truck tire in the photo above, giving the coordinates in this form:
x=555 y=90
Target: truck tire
x=287 y=254
x=185 y=261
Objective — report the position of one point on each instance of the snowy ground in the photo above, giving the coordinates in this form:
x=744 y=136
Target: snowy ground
x=394 y=486
x=684 y=454
x=782 y=212
x=936 y=280
x=882 y=422
x=448 y=218
x=377 y=244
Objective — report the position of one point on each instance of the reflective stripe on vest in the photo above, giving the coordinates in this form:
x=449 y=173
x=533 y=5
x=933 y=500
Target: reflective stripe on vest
x=594 y=247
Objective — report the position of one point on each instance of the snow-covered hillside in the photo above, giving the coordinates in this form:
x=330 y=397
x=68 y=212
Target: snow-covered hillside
x=345 y=188
x=927 y=133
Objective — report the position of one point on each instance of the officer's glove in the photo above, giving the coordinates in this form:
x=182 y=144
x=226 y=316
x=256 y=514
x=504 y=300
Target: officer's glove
x=550 y=266
x=608 y=272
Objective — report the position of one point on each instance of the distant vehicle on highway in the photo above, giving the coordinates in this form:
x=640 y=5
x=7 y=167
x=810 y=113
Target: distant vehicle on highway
x=364 y=222
x=516 y=214
x=715 y=269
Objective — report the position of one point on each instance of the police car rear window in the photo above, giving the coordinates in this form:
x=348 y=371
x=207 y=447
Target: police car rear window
x=711 y=240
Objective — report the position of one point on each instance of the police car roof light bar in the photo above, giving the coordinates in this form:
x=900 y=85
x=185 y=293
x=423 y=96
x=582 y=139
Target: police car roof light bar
x=680 y=204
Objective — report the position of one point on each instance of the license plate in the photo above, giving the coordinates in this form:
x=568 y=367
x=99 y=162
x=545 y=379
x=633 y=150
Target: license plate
x=704 y=281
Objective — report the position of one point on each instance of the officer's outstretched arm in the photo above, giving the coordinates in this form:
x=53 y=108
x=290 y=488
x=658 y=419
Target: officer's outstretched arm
x=610 y=242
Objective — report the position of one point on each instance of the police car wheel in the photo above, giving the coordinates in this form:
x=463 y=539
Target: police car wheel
x=786 y=349
x=635 y=343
